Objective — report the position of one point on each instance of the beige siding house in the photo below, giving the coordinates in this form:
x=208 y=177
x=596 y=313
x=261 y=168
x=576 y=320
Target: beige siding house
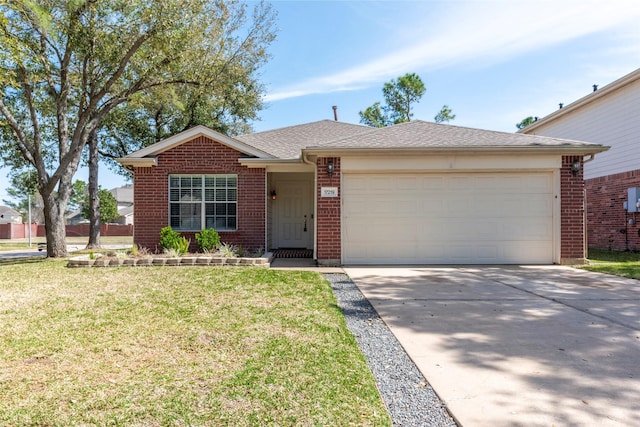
x=608 y=116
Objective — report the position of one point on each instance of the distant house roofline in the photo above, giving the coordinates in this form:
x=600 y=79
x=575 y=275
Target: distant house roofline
x=593 y=96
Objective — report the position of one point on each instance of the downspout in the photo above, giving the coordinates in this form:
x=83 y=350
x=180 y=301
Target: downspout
x=315 y=204
x=584 y=200
x=267 y=214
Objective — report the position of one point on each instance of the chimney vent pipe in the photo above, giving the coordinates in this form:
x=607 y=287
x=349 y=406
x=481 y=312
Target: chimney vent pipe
x=595 y=88
x=335 y=112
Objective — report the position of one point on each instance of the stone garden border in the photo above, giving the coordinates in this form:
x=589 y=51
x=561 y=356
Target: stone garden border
x=188 y=260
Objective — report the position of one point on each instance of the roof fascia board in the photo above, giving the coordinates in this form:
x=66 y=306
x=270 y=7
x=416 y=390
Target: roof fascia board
x=192 y=133
x=277 y=165
x=141 y=162
x=593 y=96
x=506 y=150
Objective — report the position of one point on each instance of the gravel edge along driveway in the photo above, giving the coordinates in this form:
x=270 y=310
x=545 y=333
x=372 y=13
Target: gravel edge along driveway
x=408 y=396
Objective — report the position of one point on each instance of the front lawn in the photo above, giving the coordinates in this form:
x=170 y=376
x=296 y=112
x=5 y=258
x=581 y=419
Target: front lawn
x=177 y=346
x=625 y=264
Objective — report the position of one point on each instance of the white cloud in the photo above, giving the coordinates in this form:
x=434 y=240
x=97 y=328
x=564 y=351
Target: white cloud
x=478 y=33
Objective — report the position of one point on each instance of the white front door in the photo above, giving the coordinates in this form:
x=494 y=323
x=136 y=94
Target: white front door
x=294 y=215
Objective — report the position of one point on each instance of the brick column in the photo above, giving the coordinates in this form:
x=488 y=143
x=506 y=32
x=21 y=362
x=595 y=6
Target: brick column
x=329 y=250
x=572 y=213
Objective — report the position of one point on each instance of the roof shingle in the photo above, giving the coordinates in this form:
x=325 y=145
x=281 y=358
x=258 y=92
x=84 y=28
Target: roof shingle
x=420 y=134
x=288 y=142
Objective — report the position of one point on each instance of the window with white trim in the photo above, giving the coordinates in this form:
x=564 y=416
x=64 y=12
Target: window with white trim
x=197 y=202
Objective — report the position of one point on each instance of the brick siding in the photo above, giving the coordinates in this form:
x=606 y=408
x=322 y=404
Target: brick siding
x=329 y=214
x=607 y=221
x=571 y=213
x=201 y=155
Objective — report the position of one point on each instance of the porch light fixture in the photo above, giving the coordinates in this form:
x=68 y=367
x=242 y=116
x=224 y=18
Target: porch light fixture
x=273 y=194
x=575 y=167
x=330 y=168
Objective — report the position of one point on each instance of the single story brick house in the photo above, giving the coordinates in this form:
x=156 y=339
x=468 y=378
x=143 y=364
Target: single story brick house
x=413 y=193
x=607 y=115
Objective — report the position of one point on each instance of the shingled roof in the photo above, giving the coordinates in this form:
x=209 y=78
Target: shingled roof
x=288 y=142
x=419 y=134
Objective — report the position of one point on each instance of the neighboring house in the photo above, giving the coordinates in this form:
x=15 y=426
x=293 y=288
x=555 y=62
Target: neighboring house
x=76 y=217
x=124 y=200
x=413 y=193
x=9 y=216
x=607 y=116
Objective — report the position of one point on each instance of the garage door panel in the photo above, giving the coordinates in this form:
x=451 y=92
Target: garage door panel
x=537 y=229
x=473 y=218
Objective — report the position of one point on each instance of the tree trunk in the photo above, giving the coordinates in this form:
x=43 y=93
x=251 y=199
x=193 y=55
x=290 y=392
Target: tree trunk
x=94 y=198
x=54 y=225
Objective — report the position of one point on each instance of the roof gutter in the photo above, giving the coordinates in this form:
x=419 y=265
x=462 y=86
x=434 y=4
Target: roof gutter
x=493 y=150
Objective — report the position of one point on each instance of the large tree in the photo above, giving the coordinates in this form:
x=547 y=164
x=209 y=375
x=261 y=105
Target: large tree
x=444 y=115
x=66 y=65
x=108 y=206
x=400 y=96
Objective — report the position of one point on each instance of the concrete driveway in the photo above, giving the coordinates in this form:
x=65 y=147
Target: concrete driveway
x=517 y=346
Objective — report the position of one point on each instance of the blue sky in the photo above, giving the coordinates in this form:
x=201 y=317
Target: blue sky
x=493 y=62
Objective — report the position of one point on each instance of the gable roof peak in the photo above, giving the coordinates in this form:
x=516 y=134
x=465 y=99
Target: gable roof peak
x=188 y=135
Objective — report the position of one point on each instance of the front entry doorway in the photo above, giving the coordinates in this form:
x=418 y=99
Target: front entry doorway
x=293 y=213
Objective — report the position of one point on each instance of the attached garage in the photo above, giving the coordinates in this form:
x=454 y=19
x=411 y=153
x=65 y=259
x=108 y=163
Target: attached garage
x=449 y=218
x=411 y=193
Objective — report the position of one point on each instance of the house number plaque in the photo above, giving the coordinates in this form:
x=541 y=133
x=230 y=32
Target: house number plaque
x=328 y=191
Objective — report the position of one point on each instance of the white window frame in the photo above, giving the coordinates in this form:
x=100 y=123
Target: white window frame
x=200 y=201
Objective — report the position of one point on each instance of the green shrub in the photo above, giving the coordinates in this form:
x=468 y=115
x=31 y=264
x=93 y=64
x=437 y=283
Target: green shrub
x=208 y=240
x=169 y=238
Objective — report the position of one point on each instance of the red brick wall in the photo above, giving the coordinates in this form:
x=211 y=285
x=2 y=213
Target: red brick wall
x=198 y=156
x=571 y=212
x=607 y=222
x=328 y=232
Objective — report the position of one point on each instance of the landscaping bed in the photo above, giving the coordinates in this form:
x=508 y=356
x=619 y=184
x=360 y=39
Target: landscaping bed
x=99 y=260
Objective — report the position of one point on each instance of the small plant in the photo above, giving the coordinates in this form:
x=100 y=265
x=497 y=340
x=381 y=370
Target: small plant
x=144 y=252
x=240 y=251
x=170 y=239
x=134 y=250
x=183 y=245
x=228 y=250
x=92 y=255
x=172 y=253
x=257 y=253
x=208 y=240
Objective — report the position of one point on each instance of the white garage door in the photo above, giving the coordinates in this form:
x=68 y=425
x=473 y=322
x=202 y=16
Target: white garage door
x=457 y=218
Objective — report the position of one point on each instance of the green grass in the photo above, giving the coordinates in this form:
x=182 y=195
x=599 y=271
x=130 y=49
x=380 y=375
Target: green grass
x=178 y=346
x=625 y=264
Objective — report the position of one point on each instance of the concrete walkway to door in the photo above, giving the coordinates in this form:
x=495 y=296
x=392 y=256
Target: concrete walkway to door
x=517 y=346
